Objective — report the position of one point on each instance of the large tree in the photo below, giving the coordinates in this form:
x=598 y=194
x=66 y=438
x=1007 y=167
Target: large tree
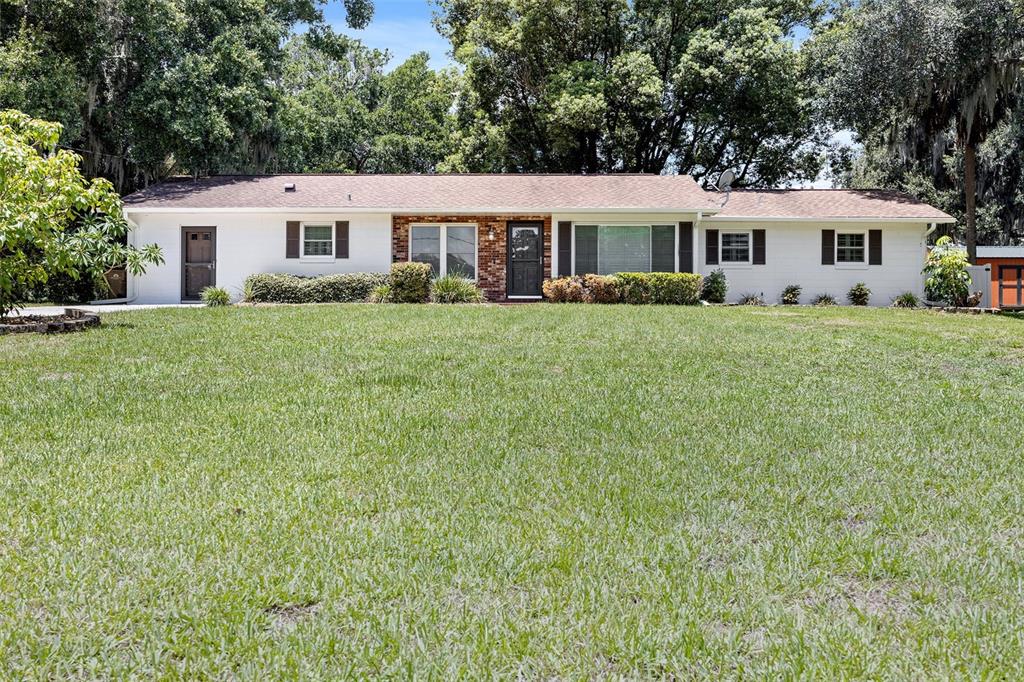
x=149 y=87
x=649 y=86
x=342 y=112
x=924 y=74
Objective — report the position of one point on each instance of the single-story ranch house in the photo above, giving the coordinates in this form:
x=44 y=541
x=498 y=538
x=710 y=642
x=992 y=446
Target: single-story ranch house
x=510 y=232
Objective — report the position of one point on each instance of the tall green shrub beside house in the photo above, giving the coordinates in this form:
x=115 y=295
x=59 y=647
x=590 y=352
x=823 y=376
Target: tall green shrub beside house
x=52 y=220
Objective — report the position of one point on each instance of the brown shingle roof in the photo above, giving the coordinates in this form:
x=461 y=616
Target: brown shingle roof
x=450 y=193
x=826 y=203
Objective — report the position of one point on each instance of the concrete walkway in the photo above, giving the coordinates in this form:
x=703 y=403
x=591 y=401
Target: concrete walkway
x=111 y=308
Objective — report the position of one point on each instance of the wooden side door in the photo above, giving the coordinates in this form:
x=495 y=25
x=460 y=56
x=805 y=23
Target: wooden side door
x=198 y=261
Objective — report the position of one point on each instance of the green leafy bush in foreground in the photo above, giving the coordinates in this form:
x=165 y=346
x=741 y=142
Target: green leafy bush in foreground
x=714 y=287
x=215 y=297
x=791 y=294
x=455 y=289
x=946 y=276
x=907 y=299
x=859 y=294
x=280 y=288
x=410 y=282
x=637 y=288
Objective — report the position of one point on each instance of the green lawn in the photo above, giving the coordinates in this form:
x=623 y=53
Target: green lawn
x=543 y=491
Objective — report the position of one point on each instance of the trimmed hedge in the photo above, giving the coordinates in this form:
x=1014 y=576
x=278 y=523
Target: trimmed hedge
x=410 y=282
x=279 y=288
x=637 y=288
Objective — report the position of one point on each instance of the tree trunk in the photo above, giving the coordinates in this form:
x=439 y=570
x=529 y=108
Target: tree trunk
x=970 y=199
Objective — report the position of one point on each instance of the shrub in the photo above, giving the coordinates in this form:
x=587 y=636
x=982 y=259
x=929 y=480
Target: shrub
x=946 y=273
x=214 y=297
x=822 y=300
x=791 y=294
x=907 y=299
x=455 y=289
x=634 y=288
x=564 y=290
x=380 y=294
x=751 y=299
x=859 y=294
x=675 y=288
x=274 y=288
x=714 y=287
x=600 y=289
x=410 y=282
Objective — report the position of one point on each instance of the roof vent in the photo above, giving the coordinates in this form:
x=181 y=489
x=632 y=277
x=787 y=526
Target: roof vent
x=289 y=187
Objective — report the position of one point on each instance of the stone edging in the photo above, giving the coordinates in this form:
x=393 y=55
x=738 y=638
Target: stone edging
x=73 y=320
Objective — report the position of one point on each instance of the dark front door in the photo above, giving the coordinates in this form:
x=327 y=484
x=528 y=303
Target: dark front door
x=198 y=261
x=525 y=258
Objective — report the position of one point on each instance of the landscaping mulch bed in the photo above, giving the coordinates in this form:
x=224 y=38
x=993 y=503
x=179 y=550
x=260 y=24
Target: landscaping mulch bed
x=72 y=320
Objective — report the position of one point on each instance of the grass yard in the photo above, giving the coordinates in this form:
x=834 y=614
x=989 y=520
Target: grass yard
x=536 y=491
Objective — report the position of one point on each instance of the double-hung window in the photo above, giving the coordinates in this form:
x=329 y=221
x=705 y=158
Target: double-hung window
x=735 y=247
x=318 y=241
x=607 y=249
x=447 y=249
x=850 y=247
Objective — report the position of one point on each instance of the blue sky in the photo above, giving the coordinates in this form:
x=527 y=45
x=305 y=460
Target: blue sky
x=400 y=26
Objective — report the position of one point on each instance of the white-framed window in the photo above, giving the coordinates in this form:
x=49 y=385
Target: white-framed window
x=608 y=249
x=851 y=247
x=735 y=247
x=317 y=241
x=448 y=249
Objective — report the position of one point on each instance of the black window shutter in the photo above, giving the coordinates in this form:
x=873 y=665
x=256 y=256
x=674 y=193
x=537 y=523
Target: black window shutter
x=685 y=247
x=291 y=247
x=828 y=247
x=564 y=249
x=341 y=239
x=759 y=247
x=586 y=249
x=874 y=247
x=663 y=248
x=711 y=247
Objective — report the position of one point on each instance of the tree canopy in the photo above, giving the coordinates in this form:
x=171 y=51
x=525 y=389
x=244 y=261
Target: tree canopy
x=644 y=86
x=145 y=89
x=921 y=75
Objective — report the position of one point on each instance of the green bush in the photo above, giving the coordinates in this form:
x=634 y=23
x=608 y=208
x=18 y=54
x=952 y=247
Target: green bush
x=947 y=279
x=859 y=294
x=215 y=297
x=380 y=294
x=600 y=289
x=675 y=288
x=455 y=289
x=751 y=299
x=635 y=288
x=279 y=288
x=791 y=294
x=907 y=299
x=410 y=282
x=822 y=300
x=714 y=287
x=564 y=290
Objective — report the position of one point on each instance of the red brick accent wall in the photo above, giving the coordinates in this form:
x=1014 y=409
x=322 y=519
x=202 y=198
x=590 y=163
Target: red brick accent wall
x=492 y=254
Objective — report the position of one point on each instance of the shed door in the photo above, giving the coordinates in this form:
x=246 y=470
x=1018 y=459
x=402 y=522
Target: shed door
x=199 y=261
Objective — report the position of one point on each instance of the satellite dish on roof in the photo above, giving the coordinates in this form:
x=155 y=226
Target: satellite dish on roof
x=725 y=180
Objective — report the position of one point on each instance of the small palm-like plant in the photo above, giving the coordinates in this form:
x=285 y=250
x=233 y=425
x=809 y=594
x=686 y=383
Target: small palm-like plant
x=822 y=300
x=215 y=297
x=791 y=294
x=455 y=289
x=907 y=299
